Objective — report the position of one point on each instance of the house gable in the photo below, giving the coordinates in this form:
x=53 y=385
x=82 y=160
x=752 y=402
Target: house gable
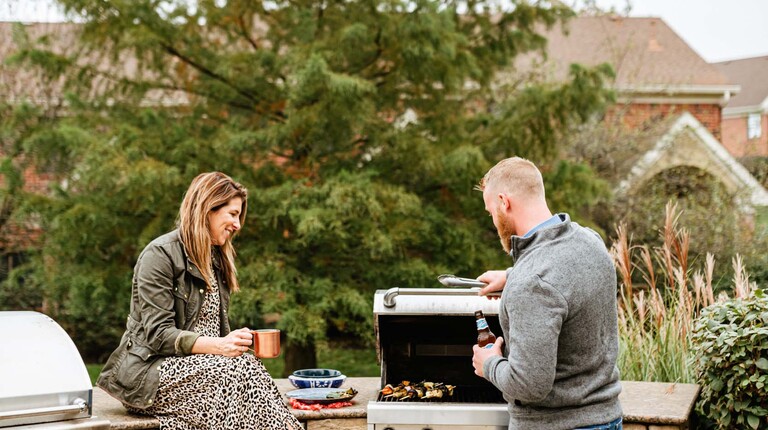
x=688 y=143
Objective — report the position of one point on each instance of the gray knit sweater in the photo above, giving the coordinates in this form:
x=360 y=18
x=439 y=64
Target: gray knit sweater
x=558 y=317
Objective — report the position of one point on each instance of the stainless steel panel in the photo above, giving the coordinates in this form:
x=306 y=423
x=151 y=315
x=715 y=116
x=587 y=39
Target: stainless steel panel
x=443 y=414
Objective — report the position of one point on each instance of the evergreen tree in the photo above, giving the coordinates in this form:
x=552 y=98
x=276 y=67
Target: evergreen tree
x=359 y=127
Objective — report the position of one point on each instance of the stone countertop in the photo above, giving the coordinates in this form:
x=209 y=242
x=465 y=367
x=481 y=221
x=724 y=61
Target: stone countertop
x=107 y=408
x=642 y=402
x=657 y=402
x=367 y=389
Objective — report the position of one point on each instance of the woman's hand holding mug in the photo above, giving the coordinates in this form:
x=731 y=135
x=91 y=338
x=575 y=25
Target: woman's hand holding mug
x=235 y=343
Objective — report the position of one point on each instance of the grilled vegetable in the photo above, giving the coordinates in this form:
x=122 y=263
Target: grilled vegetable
x=422 y=390
x=341 y=394
x=387 y=390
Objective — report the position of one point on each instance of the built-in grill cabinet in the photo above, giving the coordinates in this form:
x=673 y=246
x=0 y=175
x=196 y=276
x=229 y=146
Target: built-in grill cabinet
x=427 y=335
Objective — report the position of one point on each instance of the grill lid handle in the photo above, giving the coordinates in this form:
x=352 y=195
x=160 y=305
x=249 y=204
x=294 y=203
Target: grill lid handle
x=392 y=293
x=78 y=406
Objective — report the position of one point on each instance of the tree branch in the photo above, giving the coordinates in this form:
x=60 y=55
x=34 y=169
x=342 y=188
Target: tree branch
x=275 y=116
x=206 y=71
x=279 y=116
x=244 y=32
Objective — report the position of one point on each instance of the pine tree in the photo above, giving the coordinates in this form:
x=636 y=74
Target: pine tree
x=359 y=127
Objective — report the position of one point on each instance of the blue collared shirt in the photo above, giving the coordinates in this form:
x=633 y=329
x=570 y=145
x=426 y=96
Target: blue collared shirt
x=555 y=219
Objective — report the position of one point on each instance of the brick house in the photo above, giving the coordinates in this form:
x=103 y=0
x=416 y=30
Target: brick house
x=745 y=117
x=657 y=74
x=660 y=81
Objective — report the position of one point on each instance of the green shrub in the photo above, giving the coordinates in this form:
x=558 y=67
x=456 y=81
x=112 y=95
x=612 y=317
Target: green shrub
x=730 y=340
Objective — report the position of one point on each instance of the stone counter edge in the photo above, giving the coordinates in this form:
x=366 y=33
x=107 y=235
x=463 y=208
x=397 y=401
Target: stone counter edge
x=108 y=408
x=639 y=400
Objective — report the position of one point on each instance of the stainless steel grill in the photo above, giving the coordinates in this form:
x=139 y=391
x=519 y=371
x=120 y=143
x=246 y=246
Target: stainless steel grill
x=42 y=377
x=426 y=334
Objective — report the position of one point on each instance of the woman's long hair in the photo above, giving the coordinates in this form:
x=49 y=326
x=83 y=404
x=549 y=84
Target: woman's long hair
x=209 y=192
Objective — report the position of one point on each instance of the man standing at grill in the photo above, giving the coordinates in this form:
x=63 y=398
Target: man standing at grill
x=557 y=369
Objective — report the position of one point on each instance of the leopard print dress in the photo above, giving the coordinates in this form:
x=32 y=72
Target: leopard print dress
x=205 y=391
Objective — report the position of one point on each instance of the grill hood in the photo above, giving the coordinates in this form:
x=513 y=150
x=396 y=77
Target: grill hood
x=42 y=376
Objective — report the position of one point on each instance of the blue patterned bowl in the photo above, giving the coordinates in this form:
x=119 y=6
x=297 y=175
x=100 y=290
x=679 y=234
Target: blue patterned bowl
x=314 y=382
x=317 y=373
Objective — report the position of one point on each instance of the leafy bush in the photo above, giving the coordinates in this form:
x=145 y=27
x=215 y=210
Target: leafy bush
x=731 y=361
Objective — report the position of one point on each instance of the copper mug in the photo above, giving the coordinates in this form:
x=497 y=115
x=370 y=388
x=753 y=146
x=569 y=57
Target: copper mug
x=266 y=342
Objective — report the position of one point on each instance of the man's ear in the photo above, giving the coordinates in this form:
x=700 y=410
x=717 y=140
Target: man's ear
x=505 y=203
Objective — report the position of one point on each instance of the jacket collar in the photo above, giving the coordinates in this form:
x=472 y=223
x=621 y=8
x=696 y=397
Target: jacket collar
x=215 y=261
x=519 y=244
x=190 y=266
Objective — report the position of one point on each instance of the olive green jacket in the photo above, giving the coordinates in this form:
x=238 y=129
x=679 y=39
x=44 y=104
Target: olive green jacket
x=166 y=295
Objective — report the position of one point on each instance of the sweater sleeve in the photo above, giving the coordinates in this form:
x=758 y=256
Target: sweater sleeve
x=536 y=313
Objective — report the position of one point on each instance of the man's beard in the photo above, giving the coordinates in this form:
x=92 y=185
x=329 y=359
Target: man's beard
x=505 y=229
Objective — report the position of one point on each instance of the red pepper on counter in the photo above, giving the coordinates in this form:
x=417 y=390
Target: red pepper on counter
x=296 y=404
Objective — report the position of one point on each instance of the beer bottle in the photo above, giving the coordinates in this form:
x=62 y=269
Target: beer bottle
x=485 y=337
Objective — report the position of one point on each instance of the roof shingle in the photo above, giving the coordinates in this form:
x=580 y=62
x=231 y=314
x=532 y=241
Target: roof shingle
x=752 y=75
x=642 y=51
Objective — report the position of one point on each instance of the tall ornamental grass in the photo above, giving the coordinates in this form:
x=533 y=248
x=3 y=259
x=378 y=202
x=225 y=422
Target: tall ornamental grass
x=661 y=292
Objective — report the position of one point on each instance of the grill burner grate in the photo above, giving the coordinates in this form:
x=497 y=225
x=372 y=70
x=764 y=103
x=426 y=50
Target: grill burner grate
x=460 y=395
